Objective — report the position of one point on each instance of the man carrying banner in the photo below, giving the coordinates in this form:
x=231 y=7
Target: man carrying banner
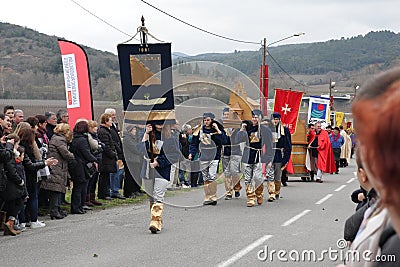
x=209 y=139
x=231 y=157
x=258 y=150
x=321 y=150
x=148 y=99
x=162 y=151
x=283 y=148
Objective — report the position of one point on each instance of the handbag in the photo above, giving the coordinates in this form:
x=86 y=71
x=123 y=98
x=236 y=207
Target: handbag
x=43 y=174
x=90 y=169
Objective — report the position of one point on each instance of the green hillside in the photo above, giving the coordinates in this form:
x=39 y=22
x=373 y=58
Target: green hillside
x=30 y=64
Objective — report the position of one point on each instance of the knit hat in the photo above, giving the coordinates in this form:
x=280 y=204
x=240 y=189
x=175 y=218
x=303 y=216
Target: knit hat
x=208 y=115
x=257 y=112
x=276 y=115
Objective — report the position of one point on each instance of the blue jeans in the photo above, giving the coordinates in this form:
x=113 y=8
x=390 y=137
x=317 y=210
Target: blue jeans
x=115 y=181
x=33 y=203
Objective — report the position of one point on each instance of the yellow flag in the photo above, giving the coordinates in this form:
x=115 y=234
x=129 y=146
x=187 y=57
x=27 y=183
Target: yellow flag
x=339 y=118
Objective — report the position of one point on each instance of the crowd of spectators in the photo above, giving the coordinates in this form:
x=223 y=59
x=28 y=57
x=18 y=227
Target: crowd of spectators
x=41 y=156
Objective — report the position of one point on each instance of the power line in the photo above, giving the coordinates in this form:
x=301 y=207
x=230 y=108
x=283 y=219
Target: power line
x=290 y=76
x=198 y=28
x=102 y=20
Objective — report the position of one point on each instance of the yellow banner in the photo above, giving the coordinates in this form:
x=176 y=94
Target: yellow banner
x=339 y=118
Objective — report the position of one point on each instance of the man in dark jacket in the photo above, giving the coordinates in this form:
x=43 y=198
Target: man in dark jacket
x=232 y=155
x=282 y=148
x=116 y=178
x=184 y=164
x=109 y=157
x=258 y=150
x=209 y=139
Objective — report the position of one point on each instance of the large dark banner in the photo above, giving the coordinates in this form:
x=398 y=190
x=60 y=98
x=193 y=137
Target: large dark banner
x=146 y=79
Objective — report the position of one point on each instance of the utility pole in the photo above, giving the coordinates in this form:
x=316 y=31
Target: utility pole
x=263 y=98
x=331 y=102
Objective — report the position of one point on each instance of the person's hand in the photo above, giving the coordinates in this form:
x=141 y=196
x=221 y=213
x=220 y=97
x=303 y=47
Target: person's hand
x=269 y=165
x=190 y=157
x=284 y=167
x=154 y=164
x=149 y=128
x=51 y=161
x=360 y=197
x=96 y=165
x=215 y=126
x=243 y=127
x=12 y=141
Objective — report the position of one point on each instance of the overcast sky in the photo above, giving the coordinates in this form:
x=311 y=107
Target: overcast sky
x=250 y=20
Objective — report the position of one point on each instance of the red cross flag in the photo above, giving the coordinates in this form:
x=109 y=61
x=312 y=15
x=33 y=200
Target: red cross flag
x=287 y=103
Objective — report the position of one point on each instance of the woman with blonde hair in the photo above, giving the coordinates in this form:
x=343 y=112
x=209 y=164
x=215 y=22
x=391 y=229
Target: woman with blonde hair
x=57 y=182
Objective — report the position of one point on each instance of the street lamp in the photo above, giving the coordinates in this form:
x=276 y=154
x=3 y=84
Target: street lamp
x=264 y=93
x=356 y=86
x=288 y=37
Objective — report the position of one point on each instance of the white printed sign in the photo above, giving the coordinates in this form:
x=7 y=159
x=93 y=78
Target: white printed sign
x=318 y=109
x=71 y=81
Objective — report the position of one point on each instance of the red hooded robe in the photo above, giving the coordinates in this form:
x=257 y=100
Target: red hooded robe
x=326 y=160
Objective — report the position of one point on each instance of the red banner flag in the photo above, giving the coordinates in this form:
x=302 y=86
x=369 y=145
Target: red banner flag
x=264 y=90
x=287 y=103
x=77 y=81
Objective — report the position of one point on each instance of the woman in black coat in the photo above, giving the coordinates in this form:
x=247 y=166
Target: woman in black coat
x=133 y=162
x=12 y=191
x=84 y=161
x=109 y=157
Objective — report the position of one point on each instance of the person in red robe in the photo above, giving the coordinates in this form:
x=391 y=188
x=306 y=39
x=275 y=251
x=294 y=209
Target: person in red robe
x=321 y=150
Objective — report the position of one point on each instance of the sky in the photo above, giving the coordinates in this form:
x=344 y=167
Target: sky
x=249 y=21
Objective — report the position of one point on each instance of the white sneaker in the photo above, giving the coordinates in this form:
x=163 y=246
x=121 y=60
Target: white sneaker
x=37 y=224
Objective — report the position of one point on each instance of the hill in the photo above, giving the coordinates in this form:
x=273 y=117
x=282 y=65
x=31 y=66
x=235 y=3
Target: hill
x=30 y=64
x=30 y=67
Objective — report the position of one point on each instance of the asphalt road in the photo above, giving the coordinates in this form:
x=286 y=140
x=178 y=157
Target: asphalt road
x=308 y=218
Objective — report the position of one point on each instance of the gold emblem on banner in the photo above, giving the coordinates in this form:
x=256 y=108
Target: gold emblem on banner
x=147 y=101
x=253 y=138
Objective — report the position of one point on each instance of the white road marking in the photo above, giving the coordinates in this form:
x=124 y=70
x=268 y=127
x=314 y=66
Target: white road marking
x=340 y=188
x=295 y=218
x=322 y=200
x=351 y=180
x=235 y=257
x=355 y=174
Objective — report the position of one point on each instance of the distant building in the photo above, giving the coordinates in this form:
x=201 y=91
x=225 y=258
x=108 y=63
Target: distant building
x=341 y=103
